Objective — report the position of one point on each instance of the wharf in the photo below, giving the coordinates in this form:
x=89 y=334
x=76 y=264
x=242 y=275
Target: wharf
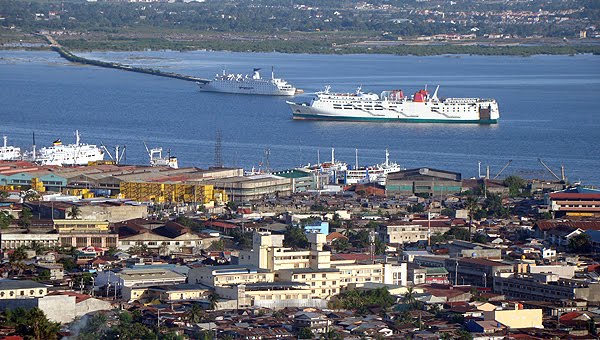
x=77 y=59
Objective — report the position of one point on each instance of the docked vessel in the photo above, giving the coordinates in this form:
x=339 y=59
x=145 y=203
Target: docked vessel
x=395 y=106
x=248 y=84
x=157 y=159
x=9 y=152
x=371 y=174
x=71 y=154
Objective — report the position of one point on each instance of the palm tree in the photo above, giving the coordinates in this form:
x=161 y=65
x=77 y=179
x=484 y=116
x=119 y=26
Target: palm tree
x=213 y=300
x=472 y=205
x=40 y=327
x=75 y=212
x=25 y=217
x=196 y=314
x=409 y=297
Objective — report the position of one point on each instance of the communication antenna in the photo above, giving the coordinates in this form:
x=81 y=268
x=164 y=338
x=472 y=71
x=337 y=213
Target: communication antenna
x=267 y=160
x=218 y=150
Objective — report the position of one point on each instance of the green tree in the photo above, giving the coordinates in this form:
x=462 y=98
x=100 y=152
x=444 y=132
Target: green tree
x=68 y=263
x=18 y=255
x=340 y=245
x=74 y=212
x=33 y=324
x=305 y=333
x=196 y=314
x=5 y=219
x=25 y=217
x=448 y=212
x=335 y=221
x=479 y=238
x=213 y=300
x=580 y=243
x=409 y=298
x=515 y=185
x=472 y=205
x=379 y=247
x=458 y=233
x=218 y=245
x=205 y=335
x=295 y=237
x=332 y=335
x=95 y=328
x=360 y=239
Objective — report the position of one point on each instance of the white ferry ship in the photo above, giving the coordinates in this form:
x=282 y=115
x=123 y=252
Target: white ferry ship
x=9 y=152
x=246 y=84
x=71 y=154
x=394 y=106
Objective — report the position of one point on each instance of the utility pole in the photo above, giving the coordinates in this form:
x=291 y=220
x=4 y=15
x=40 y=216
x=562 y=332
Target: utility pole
x=456 y=273
x=158 y=318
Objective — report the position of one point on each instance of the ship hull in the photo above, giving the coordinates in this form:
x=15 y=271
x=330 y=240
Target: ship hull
x=254 y=88
x=407 y=113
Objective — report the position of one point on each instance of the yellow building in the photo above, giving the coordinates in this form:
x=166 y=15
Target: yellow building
x=170 y=293
x=63 y=226
x=314 y=266
x=516 y=317
x=220 y=276
x=161 y=192
x=323 y=283
x=22 y=289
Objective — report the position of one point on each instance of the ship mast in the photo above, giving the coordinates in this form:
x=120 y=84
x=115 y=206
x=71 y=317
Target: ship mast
x=387 y=158
x=356 y=158
x=332 y=155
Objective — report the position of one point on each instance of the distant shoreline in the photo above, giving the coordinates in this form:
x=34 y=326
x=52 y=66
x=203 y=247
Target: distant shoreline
x=408 y=48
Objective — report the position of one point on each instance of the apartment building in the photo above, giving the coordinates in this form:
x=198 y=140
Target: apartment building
x=545 y=287
x=229 y=275
x=476 y=272
x=314 y=267
x=403 y=233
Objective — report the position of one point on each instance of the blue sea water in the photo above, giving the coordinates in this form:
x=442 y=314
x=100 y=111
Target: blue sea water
x=549 y=109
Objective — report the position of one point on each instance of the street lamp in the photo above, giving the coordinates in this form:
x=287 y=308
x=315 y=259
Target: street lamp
x=456 y=273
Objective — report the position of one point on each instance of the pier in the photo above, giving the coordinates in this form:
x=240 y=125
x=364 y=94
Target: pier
x=54 y=45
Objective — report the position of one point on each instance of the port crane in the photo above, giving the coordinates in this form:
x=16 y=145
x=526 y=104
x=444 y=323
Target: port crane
x=562 y=171
x=119 y=153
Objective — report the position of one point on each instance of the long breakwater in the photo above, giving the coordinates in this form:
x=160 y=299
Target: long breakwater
x=66 y=54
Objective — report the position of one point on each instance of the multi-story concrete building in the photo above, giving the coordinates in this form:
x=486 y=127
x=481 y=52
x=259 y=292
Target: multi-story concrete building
x=16 y=239
x=403 y=233
x=315 y=267
x=21 y=289
x=576 y=201
x=545 y=287
x=229 y=275
x=165 y=238
x=459 y=248
x=476 y=272
x=516 y=317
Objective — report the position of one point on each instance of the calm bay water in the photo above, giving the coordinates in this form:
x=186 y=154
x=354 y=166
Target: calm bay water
x=549 y=109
